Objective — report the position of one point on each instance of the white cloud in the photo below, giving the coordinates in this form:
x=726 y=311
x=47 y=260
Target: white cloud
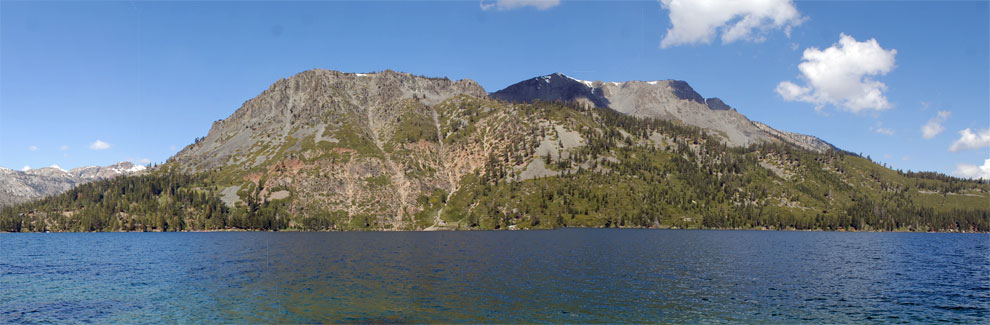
x=99 y=145
x=841 y=75
x=63 y=147
x=973 y=171
x=515 y=4
x=969 y=140
x=141 y=161
x=698 y=21
x=26 y=168
x=33 y=148
x=173 y=148
x=882 y=130
x=934 y=125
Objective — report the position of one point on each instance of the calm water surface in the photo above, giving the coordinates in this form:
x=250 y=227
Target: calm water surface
x=572 y=275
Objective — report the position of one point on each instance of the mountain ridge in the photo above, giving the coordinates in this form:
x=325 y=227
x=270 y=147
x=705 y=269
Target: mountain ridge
x=327 y=150
x=18 y=186
x=676 y=94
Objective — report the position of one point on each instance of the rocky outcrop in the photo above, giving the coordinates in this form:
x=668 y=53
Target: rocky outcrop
x=684 y=91
x=717 y=104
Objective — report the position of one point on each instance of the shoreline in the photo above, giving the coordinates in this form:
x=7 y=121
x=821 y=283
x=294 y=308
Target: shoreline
x=504 y=230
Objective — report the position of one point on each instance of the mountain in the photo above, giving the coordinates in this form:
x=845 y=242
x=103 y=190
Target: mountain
x=23 y=186
x=327 y=150
x=666 y=99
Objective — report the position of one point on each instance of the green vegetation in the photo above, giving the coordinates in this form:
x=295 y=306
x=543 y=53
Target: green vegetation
x=416 y=124
x=618 y=177
x=160 y=201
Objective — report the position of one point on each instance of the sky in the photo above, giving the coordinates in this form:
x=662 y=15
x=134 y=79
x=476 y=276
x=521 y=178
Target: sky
x=93 y=83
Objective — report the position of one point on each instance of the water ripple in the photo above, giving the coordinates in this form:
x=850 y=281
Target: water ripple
x=570 y=276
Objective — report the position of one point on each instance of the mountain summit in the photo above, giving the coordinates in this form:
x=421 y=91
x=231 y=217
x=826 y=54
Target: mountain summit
x=328 y=150
x=665 y=99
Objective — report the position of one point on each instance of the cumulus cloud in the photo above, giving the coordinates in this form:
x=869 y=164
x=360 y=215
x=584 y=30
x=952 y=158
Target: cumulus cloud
x=141 y=161
x=63 y=147
x=841 y=75
x=515 y=4
x=99 y=145
x=26 y=168
x=882 y=130
x=33 y=148
x=969 y=140
x=698 y=21
x=934 y=125
x=973 y=171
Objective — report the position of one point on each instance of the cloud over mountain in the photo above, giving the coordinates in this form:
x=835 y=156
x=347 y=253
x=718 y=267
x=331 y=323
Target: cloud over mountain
x=973 y=171
x=882 y=130
x=515 y=4
x=842 y=75
x=934 y=125
x=969 y=140
x=698 y=21
x=99 y=145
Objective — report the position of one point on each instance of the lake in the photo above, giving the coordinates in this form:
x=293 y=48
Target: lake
x=567 y=275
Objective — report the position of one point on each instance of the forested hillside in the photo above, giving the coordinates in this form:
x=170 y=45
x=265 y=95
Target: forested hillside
x=470 y=162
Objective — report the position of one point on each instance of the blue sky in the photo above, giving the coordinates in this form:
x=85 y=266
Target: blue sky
x=146 y=78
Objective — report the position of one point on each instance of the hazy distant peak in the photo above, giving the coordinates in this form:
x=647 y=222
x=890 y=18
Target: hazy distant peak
x=30 y=184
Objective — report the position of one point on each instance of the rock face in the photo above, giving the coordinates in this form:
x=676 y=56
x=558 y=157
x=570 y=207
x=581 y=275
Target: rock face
x=364 y=145
x=550 y=88
x=299 y=107
x=22 y=186
x=716 y=104
x=665 y=99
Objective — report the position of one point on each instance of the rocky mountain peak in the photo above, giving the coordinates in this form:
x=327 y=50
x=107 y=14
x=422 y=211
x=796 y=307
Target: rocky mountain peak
x=304 y=104
x=666 y=99
x=717 y=104
x=552 y=87
x=684 y=91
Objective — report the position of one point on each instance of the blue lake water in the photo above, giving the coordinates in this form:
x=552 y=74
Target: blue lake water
x=569 y=275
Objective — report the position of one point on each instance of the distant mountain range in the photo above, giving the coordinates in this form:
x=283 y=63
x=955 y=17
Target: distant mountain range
x=329 y=150
x=22 y=186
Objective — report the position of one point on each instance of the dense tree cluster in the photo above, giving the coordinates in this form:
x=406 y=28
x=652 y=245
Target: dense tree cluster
x=159 y=201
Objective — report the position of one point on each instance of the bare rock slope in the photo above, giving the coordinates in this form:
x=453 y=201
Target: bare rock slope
x=665 y=99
